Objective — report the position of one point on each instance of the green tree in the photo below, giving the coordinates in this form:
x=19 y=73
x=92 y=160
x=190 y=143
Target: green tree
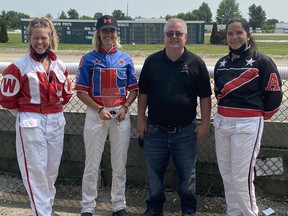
x=84 y=17
x=73 y=14
x=257 y=16
x=227 y=10
x=271 y=21
x=12 y=18
x=63 y=15
x=168 y=17
x=182 y=16
x=3 y=33
x=119 y=15
x=49 y=15
x=194 y=15
x=97 y=15
x=213 y=39
x=204 y=13
x=270 y=25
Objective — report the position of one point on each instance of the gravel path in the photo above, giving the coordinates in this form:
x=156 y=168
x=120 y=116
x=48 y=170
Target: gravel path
x=14 y=201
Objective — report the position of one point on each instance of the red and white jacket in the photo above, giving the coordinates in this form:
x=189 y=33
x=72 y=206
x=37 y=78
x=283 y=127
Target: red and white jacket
x=26 y=87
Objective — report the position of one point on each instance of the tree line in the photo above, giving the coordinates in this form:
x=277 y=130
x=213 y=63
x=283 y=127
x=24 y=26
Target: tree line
x=227 y=9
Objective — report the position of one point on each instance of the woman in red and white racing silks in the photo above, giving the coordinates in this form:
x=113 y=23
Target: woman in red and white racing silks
x=34 y=89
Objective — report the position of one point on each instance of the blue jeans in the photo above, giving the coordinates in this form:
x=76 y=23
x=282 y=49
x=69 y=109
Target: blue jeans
x=159 y=144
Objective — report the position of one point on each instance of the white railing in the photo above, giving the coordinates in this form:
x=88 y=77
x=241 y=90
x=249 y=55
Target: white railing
x=72 y=67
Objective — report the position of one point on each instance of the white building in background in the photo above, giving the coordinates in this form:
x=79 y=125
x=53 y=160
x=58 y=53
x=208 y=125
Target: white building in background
x=208 y=27
x=281 y=28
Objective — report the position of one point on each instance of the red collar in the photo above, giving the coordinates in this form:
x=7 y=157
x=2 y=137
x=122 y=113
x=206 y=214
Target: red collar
x=104 y=51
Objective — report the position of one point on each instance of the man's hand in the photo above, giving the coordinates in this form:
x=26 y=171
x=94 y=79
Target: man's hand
x=201 y=132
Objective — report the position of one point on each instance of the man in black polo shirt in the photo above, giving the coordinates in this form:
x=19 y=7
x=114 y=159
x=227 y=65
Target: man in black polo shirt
x=170 y=82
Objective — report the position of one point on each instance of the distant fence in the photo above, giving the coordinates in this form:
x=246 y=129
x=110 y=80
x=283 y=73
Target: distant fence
x=271 y=168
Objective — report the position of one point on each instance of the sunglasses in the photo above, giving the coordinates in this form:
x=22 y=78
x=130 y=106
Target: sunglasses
x=170 y=34
x=36 y=21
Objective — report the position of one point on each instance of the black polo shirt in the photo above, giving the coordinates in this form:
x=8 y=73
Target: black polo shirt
x=172 y=88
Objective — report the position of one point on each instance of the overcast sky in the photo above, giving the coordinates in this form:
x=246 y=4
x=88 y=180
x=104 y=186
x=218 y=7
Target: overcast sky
x=145 y=8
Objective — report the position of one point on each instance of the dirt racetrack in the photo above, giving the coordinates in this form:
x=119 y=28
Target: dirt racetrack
x=8 y=55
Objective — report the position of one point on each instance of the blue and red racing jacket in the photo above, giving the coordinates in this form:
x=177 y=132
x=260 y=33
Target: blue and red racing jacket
x=106 y=77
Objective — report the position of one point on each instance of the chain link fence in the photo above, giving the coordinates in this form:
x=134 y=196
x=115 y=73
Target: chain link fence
x=271 y=177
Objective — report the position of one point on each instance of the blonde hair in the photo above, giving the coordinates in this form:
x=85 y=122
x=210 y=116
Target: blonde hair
x=96 y=41
x=44 y=22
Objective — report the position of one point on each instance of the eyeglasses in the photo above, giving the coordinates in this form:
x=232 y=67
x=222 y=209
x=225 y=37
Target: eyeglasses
x=36 y=21
x=170 y=34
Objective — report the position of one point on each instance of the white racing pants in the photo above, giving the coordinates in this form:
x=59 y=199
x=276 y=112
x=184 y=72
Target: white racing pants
x=95 y=135
x=39 y=146
x=237 y=146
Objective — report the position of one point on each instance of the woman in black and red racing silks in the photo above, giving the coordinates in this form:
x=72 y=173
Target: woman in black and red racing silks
x=248 y=91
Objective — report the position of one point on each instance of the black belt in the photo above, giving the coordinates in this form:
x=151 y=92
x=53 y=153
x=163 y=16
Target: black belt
x=168 y=128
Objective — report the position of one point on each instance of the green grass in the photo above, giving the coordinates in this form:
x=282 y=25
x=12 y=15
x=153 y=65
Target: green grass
x=270 y=48
x=15 y=41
